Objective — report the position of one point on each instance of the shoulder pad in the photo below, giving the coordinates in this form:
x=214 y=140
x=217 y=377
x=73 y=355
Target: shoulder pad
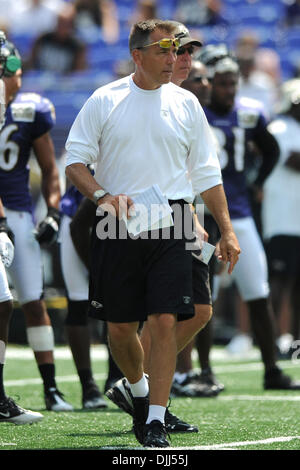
x=23 y=112
x=248 y=112
x=26 y=105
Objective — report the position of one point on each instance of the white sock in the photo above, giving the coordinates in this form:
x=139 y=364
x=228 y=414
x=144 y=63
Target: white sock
x=156 y=412
x=140 y=388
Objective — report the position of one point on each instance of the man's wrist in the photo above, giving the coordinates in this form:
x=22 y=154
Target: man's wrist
x=99 y=194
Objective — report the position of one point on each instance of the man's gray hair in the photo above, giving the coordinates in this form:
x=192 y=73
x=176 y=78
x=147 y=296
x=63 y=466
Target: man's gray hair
x=140 y=32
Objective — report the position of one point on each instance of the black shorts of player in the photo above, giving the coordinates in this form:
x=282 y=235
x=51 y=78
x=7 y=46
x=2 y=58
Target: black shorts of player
x=283 y=255
x=201 y=283
x=135 y=277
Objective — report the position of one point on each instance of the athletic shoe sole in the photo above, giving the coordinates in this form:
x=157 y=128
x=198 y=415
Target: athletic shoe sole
x=24 y=418
x=95 y=403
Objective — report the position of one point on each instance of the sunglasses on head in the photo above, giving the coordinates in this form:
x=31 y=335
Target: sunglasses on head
x=165 y=43
x=183 y=50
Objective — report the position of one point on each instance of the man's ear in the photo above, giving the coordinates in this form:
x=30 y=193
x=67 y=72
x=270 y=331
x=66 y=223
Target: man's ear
x=137 y=56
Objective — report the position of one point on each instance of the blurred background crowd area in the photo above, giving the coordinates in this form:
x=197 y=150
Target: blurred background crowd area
x=71 y=47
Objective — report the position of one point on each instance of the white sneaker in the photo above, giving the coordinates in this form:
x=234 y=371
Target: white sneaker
x=95 y=402
x=55 y=401
x=92 y=398
x=240 y=344
x=12 y=413
x=284 y=342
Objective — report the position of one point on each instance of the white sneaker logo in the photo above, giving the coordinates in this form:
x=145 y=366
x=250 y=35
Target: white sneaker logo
x=6 y=414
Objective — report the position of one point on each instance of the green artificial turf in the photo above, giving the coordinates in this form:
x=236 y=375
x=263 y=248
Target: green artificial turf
x=243 y=417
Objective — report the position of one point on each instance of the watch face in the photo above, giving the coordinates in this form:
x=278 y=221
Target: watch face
x=98 y=194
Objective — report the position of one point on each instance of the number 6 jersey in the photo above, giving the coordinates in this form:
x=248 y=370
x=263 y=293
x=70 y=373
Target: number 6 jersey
x=28 y=117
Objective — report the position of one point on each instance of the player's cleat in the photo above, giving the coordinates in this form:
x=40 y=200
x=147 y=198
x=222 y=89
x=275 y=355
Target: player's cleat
x=92 y=398
x=55 y=401
x=10 y=412
x=275 y=379
x=110 y=382
x=193 y=389
x=120 y=395
x=155 y=435
x=140 y=413
x=175 y=424
x=207 y=377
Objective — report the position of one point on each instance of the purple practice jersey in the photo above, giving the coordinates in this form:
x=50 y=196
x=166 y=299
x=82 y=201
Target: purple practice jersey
x=70 y=201
x=28 y=117
x=233 y=131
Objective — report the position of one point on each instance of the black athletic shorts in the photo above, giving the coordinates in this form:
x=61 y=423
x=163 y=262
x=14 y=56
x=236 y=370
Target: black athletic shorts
x=134 y=277
x=201 y=283
x=283 y=255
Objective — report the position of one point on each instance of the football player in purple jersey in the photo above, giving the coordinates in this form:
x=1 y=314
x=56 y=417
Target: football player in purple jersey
x=9 y=410
x=236 y=123
x=28 y=120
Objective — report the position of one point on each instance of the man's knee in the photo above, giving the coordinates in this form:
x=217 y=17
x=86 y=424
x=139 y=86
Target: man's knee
x=121 y=332
x=77 y=313
x=36 y=313
x=162 y=323
x=203 y=314
x=6 y=309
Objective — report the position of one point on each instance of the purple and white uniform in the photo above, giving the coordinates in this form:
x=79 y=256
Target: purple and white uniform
x=28 y=117
x=233 y=131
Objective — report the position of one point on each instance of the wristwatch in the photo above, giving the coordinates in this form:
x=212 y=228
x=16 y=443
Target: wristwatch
x=98 y=194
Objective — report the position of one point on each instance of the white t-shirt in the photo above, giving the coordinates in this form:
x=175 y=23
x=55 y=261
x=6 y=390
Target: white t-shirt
x=281 y=203
x=141 y=137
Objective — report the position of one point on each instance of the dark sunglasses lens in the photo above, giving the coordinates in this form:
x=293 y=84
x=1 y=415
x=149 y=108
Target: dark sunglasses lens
x=182 y=50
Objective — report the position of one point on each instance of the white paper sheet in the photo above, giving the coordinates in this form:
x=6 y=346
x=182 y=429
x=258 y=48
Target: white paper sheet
x=207 y=250
x=152 y=211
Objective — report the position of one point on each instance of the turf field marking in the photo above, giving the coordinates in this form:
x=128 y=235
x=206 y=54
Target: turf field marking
x=38 y=381
x=269 y=440
x=224 y=445
x=74 y=378
x=259 y=398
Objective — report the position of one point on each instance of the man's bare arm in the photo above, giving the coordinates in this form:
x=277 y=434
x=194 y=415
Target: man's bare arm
x=84 y=181
x=82 y=178
x=216 y=202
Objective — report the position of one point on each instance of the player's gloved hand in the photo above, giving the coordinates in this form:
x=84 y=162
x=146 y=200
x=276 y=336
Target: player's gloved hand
x=47 y=230
x=6 y=229
x=6 y=249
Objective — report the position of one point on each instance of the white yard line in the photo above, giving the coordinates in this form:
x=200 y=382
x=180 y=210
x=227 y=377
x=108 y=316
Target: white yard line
x=38 y=381
x=258 y=398
x=221 y=446
x=269 y=440
x=64 y=352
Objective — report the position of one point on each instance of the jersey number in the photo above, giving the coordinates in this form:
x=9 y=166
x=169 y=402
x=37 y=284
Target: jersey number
x=239 y=147
x=9 y=150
